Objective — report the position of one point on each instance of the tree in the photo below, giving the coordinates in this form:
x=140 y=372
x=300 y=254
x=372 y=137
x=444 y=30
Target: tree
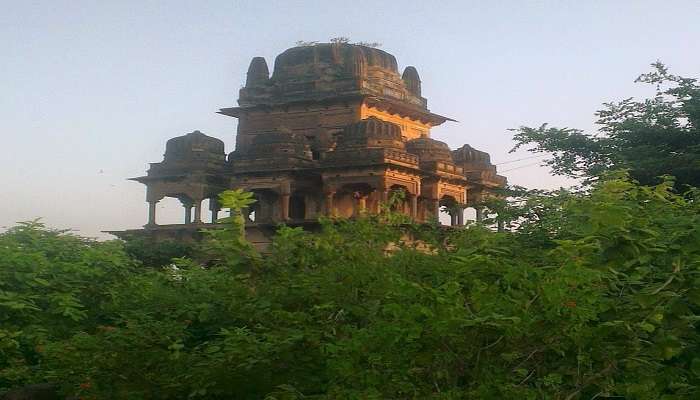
x=650 y=138
x=598 y=297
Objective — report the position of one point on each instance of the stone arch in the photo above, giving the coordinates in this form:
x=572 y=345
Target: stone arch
x=266 y=206
x=401 y=194
x=297 y=206
x=351 y=199
x=449 y=207
x=169 y=211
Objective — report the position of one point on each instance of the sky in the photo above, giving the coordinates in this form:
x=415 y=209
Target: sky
x=90 y=91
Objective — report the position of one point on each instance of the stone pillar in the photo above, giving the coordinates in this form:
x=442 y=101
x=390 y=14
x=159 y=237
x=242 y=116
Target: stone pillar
x=414 y=206
x=479 y=214
x=328 y=203
x=384 y=195
x=309 y=206
x=453 y=218
x=152 y=212
x=435 y=208
x=375 y=201
x=214 y=207
x=284 y=206
x=460 y=216
x=197 y=211
x=361 y=205
x=188 y=213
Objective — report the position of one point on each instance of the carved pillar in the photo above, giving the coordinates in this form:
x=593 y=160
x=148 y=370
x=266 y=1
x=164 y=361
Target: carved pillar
x=152 y=212
x=376 y=202
x=284 y=206
x=198 y=211
x=328 y=204
x=479 y=214
x=453 y=218
x=384 y=195
x=435 y=208
x=460 y=216
x=214 y=207
x=414 y=206
x=188 y=213
x=309 y=206
x=362 y=204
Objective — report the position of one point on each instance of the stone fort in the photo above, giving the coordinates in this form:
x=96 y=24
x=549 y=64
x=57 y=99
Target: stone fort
x=333 y=131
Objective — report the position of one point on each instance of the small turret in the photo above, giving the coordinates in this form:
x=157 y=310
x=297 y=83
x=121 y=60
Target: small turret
x=258 y=73
x=194 y=147
x=412 y=80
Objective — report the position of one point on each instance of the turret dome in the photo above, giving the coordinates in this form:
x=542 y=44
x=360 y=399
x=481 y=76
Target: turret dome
x=428 y=149
x=194 y=146
x=371 y=133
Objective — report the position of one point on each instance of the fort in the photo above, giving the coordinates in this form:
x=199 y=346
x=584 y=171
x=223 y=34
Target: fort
x=333 y=131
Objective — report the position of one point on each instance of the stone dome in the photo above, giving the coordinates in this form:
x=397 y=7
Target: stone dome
x=194 y=146
x=469 y=155
x=371 y=133
x=302 y=61
x=278 y=144
x=428 y=149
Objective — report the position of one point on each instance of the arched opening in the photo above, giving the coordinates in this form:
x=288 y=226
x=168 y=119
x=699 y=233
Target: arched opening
x=169 y=211
x=297 y=207
x=266 y=208
x=351 y=200
x=448 y=210
x=206 y=211
x=470 y=215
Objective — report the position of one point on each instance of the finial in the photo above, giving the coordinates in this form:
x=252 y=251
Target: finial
x=258 y=73
x=412 y=80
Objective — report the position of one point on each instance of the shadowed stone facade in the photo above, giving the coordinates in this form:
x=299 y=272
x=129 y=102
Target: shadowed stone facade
x=333 y=132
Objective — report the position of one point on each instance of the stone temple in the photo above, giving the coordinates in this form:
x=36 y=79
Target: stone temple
x=333 y=131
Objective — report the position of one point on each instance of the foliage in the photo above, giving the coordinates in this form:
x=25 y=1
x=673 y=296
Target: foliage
x=52 y=286
x=650 y=138
x=156 y=254
x=227 y=245
x=598 y=297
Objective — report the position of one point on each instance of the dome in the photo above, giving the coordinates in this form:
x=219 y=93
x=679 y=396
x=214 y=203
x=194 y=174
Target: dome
x=194 y=146
x=469 y=155
x=300 y=62
x=371 y=133
x=428 y=149
x=282 y=143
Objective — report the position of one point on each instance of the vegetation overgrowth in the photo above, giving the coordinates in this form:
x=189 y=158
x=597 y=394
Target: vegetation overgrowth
x=588 y=294
x=599 y=297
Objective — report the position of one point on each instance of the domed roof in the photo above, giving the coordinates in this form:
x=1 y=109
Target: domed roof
x=428 y=149
x=371 y=133
x=194 y=146
x=470 y=155
x=292 y=62
x=282 y=143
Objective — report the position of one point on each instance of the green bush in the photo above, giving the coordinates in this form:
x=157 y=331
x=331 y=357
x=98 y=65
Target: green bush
x=596 y=298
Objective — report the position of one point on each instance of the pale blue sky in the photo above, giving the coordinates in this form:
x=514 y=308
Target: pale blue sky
x=90 y=91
